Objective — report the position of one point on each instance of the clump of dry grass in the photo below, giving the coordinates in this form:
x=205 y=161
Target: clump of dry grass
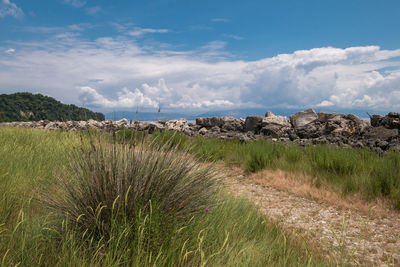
x=108 y=182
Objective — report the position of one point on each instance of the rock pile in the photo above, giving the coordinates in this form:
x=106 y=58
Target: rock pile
x=305 y=127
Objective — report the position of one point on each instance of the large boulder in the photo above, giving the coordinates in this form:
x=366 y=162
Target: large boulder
x=275 y=126
x=342 y=124
x=272 y=119
x=306 y=124
x=302 y=118
x=253 y=124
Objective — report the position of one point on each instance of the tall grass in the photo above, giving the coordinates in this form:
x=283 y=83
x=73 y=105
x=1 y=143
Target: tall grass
x=348 y=170
x=232 y=233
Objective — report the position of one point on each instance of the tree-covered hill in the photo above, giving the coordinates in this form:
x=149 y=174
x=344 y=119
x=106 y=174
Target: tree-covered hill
x=34 y=107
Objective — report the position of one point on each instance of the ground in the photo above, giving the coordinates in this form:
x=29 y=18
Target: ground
x=346 y=228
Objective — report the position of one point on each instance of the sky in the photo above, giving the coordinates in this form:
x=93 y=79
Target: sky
x=188 y=56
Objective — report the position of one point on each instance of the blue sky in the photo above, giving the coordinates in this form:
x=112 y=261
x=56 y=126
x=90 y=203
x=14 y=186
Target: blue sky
x=202 y=55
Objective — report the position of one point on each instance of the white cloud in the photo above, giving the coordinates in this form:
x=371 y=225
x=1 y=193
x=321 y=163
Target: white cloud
x=126 y=99
x=9 y=51
x=137 y=31
x=7 y=8
x=220 y=20
x=120 y=73
x=325 y=103
x=75 y=3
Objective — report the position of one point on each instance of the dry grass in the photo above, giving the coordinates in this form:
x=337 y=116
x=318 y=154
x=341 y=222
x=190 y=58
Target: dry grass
x=304 y=185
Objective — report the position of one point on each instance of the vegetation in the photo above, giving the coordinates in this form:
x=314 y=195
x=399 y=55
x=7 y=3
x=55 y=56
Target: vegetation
x=35 y=107
x=45 y=182
x=347 y=170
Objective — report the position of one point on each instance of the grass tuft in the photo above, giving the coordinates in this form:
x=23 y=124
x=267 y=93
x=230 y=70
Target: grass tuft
x=112 y=181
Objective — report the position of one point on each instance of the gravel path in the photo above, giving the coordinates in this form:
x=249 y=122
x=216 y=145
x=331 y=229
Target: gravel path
x=360 y=239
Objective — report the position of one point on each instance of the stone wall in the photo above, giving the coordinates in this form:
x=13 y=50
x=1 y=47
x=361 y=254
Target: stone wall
x=305 y=127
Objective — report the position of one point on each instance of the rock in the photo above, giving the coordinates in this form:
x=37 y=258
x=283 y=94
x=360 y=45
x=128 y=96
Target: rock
x=390 y=121
x=292 y=135
x=81 y=125
x=51 y=126
x=94 y=124
x=270 y=118
x=244 y=139
x=122 y=122
x=176 y=125
x=383 y=144
x=342 y=124
x=312 y=130
x=153 y=126
x=376 y=120
x=215 y=129
x=358 y=144
x=302 y=118
x=394 y=147
x=253 y=124
x=203 y=131
x=225 y=123
x=275 y=126
x=272 y=131
x=380 y=133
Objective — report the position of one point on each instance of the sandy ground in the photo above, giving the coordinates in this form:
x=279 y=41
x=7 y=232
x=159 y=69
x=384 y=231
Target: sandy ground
x=346 y=229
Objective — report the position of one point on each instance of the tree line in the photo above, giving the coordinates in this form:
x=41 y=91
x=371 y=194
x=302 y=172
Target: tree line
x=35 y=107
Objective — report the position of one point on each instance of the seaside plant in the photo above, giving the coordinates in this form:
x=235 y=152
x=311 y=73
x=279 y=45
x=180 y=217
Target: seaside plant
x=107 y=184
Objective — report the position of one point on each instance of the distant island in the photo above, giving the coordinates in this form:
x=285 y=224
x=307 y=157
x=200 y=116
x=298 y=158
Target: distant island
x=35 y=107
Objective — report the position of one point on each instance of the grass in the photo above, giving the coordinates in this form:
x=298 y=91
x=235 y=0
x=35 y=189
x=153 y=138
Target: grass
x=34 y=233
x=347 y=170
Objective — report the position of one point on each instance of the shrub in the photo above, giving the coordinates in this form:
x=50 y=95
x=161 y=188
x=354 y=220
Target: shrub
x=107 y=183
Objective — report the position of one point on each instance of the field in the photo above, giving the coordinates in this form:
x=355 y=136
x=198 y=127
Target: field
x=40 y=170
x=116 y=200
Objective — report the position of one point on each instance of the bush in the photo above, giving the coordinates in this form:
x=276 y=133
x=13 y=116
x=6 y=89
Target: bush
x=108 y=183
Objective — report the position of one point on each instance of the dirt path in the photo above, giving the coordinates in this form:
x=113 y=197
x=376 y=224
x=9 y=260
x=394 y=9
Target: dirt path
x=362 y=238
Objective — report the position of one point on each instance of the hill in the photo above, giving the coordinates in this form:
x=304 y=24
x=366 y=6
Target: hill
x=35 y=107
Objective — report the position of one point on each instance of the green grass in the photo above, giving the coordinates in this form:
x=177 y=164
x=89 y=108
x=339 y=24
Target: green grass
x=232 y=233
x=348 y=170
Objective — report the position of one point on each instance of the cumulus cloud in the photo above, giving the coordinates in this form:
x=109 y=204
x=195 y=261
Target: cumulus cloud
x=137 y=31
x=120 y=73
x=126 y=99
x=7 y=8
